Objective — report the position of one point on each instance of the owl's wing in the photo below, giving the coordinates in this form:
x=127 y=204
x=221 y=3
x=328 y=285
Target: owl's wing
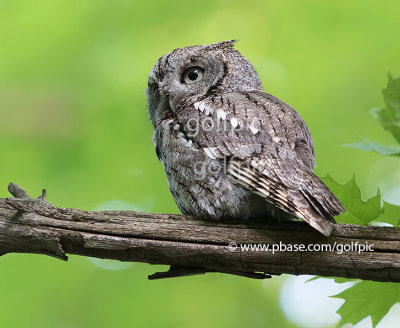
x=268 y=148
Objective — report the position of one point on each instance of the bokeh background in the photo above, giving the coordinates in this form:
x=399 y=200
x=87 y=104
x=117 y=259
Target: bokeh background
x=73 y=120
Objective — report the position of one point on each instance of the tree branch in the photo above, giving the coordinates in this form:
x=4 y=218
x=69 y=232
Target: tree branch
x=191 y=246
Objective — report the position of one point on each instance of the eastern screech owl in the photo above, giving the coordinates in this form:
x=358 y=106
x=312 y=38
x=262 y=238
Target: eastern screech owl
x=229 y=149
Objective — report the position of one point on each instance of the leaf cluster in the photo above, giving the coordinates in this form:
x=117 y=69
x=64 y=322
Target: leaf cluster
x=368 y=298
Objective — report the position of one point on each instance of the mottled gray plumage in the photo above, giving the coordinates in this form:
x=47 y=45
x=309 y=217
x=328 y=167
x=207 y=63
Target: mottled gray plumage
x=229 y=149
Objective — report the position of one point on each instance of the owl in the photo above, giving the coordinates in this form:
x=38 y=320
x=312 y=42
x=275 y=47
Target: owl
x=231 y=151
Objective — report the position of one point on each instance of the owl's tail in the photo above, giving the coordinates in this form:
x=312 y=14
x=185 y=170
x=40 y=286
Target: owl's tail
x=312 y=201
x=317 y=203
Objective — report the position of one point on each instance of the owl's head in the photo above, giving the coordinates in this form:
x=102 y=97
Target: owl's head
x=184 y=75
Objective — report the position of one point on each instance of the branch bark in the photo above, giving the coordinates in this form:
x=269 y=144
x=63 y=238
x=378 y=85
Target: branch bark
x=191 y=246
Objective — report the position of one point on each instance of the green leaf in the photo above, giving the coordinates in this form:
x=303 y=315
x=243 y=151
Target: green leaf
x=389 y=117
x=338 y=280
x=368 y=298
x=358 y=210
x=341 y=280
x=314 y=278
x=368 y=145
x=391 y=214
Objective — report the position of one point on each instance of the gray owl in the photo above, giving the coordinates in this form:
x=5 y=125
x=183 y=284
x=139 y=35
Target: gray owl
x=230 y=150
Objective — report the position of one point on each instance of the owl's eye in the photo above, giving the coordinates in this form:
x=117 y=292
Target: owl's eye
x=192 y=74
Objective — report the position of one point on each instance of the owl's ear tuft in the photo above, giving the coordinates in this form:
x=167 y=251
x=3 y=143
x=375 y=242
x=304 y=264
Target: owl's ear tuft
x=228 y=44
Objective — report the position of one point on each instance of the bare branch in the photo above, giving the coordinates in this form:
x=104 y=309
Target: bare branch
x=192 y=246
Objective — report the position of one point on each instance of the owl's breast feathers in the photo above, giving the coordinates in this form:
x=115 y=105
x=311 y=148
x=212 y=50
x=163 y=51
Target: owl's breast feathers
x=267 y=148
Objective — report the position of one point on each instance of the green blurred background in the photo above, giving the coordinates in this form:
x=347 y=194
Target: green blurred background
x=73 y=120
